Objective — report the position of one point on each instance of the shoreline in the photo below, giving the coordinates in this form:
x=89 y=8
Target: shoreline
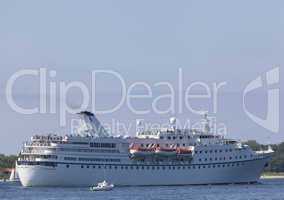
x=272 y=175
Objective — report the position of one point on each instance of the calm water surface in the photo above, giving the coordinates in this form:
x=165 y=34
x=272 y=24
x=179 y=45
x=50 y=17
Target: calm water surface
x=266 y=189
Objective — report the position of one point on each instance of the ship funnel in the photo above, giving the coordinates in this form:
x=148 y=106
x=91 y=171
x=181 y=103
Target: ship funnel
x=90 y=125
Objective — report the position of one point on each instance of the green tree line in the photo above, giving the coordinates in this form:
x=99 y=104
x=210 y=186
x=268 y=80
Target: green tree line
x=7 y=161
x=277 y=162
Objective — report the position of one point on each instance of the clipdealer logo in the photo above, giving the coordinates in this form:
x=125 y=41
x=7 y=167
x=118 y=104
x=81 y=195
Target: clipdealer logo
x=271 y=121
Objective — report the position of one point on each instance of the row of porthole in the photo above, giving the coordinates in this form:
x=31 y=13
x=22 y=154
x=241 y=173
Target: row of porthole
x=216 y=151
x=230 y=158
x=161 y=167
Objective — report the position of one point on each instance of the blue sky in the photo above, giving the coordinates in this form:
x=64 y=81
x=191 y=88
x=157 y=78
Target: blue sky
x=233 y=41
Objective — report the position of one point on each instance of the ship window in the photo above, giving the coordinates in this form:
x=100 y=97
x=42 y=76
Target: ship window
x=226 y=150
x=131 y=167
x=142 y=145
x=169 y=167
x=163 y=167
x=215 y=151
x=220 y=151
x=200 y=151
x=193 y=167
x=209 y=166
x=210 y=159
x=218 y=165
x=178 y=167
x=211 y=151
x=153 y=167
x=88 y=166
x=216 y=158
x=169 y=138
x=126 y=167
x=177 y=145
x=158 y=145
x=205 y=151
x=173 y=167
x=205 y=159
x=110 y=166
x=240 y=157
x=199 y=159
x=183 y=167
x=148 y=167
x=228 y=165
x=94 y=166
x=223 y=165
x=199 y=167
x=214 y=166
x=121 y=167
x=230 y=150
x=230 y=158
x=183 y=145
x=180 y=137
x=67 y=166
x=142 y=167
x=99 y=167
x=158 y=167
x=174 y=137
x=188 y=167
x=161 y=137
x=82 y=166
x=137 y=167
x=204 y=166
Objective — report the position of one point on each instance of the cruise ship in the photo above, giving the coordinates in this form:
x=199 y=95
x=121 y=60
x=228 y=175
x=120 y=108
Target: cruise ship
x=169 y=156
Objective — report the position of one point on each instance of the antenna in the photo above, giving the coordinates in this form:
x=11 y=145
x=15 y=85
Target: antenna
x=173 y=122
x=207 y=122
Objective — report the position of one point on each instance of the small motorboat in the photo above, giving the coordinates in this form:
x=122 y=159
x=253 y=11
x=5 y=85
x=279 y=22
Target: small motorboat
x=102 y=186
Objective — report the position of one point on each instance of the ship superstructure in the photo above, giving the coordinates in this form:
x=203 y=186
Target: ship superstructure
x=169 y=156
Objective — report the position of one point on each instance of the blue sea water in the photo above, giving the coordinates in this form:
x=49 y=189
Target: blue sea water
x=272 y=189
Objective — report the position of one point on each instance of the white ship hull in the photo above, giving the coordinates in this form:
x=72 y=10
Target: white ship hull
x=244 y=172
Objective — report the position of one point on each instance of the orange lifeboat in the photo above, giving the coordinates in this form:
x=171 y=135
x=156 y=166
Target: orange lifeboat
x=137 y=151
x=184 y=153
x=165 y=152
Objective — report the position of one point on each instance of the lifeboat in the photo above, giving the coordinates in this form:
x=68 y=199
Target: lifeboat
x=141 y=152
x=165 y=152
x=184 y=153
